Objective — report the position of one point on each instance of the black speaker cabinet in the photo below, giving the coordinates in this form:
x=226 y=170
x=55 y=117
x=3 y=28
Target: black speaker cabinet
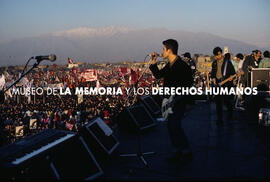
x=259 y=77
x=74 y=160
x=158 y=99
x=69 y=159
x=135 y=117
x=151 y=105
x=99 y=137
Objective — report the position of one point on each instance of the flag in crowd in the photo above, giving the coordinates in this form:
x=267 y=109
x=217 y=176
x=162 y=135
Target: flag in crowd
x=133 y=77
x=74 y=76
x=70 y=61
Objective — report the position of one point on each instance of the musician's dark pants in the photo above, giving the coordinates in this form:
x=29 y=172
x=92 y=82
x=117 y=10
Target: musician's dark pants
x=228 y=101
x=177 y=136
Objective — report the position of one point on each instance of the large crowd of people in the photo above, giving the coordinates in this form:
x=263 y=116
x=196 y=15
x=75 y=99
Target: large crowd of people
x=65 y=111
x=39 y=112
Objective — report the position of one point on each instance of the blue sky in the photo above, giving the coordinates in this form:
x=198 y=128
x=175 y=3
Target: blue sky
x=245 y=20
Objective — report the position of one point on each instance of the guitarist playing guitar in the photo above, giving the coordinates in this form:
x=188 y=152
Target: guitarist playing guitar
x=222 y=69
x=176 y=73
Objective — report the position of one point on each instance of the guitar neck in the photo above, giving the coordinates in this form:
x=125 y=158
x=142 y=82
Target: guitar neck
x=225 y=81
x=231 y=77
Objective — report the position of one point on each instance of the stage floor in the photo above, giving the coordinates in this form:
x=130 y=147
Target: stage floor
x=237 y=150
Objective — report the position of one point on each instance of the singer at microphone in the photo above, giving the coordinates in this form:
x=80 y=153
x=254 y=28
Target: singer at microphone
x=154 y=56
x=176 y=73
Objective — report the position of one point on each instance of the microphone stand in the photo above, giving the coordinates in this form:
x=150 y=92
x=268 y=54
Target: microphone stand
x=23 y=74
x=139 y=153
x=136 y=84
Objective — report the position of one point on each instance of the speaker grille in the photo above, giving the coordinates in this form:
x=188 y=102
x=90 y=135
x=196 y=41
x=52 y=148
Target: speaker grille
x=141 y=116
x=107 y=141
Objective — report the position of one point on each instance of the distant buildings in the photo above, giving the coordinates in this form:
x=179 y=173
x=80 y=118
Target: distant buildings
x=203 y=64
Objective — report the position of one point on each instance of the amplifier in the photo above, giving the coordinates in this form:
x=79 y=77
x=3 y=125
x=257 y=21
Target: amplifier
x=259 y=77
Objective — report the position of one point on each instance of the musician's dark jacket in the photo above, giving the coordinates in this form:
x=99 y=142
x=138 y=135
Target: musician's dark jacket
x=178 y=75
x=229 y=72
x=248 y=62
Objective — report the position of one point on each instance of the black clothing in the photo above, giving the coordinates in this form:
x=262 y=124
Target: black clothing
x=230 y=71
x=178 y=75
x=223 y=99
x=226 y=99
x=248 y=62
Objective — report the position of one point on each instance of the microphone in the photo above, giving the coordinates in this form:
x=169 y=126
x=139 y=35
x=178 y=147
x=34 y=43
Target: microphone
x=51 y=57
x=158 y=55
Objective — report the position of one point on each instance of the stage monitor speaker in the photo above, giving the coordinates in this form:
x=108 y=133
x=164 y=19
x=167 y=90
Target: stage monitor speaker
x=74 y=160
x=99 y=137
x=135 y=117
x=259 y=77
x=151 y=105
x=70 y=159
x=158 y=99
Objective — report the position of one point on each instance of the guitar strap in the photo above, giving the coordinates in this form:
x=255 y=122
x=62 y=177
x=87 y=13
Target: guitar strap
x=225 y=69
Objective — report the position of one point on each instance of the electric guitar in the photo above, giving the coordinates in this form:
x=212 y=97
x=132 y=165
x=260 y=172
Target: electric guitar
x=167 y=105
x=230 y=78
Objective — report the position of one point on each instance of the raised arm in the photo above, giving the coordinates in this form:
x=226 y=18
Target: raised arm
x=154 y=68
x=156 y=72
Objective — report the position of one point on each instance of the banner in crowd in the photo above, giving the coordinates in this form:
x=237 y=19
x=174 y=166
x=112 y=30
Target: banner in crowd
x=33 y=124
x=89 y=75
x=80 y=98
x=2 y=82
x=19 y=131
x=69 y=126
